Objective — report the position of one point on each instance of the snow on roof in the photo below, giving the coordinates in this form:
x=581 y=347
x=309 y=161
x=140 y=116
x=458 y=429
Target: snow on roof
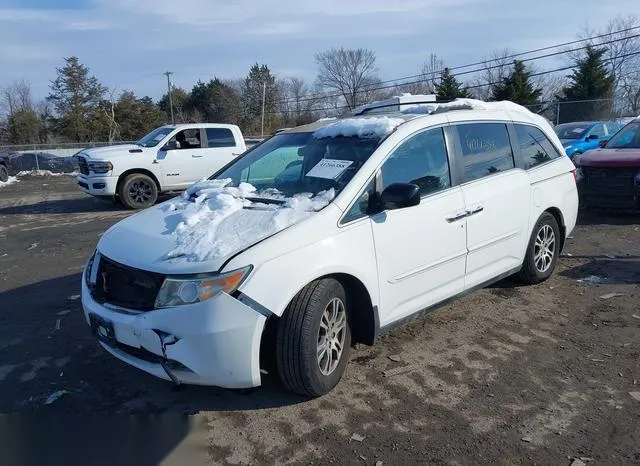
x=375 y=127
x=224 y=219
x=464 y=104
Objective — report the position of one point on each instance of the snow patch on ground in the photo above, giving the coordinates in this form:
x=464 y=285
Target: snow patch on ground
x=11 y=180
x=376 y=127
x=223 y=219
x=44 y=173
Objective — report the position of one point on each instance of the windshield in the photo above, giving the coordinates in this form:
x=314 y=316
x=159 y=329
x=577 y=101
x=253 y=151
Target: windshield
x=154 y=137
x=627 y=138
x=571 y=130
x=293 y=163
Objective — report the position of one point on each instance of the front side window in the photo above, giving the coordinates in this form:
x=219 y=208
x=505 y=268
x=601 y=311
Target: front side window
x=293 y=163
x=535 y=147
x=486 y=149
x=598 y=130
x=571 y=130
x=421 y=160
x=362 y=206
x=188 y=139
x=627 y=138
x=220 y=137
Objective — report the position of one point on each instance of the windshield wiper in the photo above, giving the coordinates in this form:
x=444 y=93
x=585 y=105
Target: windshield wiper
x=265 y=200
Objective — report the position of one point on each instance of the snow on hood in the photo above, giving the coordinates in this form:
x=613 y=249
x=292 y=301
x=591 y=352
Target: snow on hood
x=361 y=127
x=101 y=153
x=222 y=219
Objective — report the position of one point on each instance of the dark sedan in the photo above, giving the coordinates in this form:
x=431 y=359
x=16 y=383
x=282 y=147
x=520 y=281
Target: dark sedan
x=29 y=161
x=609 y=177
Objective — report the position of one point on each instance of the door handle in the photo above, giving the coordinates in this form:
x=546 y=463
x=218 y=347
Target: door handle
x=155 y=161
x=477 y=210
x=196 y=156
x=457 y=217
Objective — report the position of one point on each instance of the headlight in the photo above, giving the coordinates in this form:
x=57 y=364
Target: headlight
x=100 y=167
x=177 y=291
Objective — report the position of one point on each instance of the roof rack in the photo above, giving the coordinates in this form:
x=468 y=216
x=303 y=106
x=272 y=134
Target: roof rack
x=393 y=104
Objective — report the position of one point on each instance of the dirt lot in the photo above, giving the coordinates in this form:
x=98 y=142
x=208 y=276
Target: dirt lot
x=508 y=375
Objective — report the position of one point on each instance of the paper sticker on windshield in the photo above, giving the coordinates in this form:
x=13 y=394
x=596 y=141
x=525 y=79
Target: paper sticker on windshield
x=329 y=168
x=578 y=130
x=159 y=137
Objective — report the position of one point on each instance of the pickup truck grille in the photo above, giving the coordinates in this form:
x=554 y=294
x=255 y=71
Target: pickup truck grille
x=126 y=286
x=83 y=165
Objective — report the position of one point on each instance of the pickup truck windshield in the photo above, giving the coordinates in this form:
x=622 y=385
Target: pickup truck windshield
x=293 y=163
x=627 y=138
x=154 y=137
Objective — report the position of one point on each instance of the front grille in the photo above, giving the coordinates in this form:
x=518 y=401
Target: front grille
x=83 y=165
x=126 y=286
x=619 y=180
x=148 y=356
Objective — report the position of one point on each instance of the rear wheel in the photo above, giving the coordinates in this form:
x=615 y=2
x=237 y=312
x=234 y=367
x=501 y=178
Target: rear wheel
x=542 y=252
x=138 y=191
x=314 y=338
x=4 y=174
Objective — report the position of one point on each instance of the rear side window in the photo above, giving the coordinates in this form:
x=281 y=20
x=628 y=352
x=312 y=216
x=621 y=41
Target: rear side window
x=220 y=137
x=486 y=149
x=535 y=147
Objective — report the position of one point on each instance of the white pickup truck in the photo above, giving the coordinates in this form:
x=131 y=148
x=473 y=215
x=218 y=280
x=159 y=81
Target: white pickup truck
x=169 y=158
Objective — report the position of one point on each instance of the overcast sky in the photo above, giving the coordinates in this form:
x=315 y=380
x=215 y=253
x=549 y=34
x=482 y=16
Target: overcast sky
x=128 y=44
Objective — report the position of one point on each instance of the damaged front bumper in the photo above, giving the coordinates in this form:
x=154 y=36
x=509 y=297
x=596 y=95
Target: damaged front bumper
x=215 y=342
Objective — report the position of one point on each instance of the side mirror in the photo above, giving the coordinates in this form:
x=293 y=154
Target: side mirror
x=399 y=196
x=603 y=143
x=171 y=145
x=592 y=137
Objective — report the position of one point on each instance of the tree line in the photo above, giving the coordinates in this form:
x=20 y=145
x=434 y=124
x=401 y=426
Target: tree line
x=605 y=72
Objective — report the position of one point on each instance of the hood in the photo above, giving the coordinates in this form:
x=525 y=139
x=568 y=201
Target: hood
x=206 y=226
x=569 y=142
x=611 y=158
x=106 y=153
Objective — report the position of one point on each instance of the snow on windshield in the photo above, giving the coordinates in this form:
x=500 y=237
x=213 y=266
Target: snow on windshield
x=224 y=219
x=377 y=127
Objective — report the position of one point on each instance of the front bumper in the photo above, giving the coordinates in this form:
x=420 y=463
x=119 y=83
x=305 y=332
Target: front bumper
x=216 y=342
x=98 y=185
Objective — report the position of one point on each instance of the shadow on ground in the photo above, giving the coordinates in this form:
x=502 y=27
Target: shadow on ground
x=46 y=346
x=623 y=271
x=607 y=217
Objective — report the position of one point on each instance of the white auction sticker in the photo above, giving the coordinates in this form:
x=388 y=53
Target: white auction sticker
x=329 y=168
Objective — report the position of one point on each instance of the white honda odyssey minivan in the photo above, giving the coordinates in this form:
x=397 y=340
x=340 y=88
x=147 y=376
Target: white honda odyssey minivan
x=330 y=234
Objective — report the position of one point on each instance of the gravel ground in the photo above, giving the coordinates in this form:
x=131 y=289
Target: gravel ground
x=548 y=374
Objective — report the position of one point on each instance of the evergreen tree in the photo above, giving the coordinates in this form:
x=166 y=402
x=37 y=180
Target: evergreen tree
x=24 y=127
x=259 y=80
x=517 y=87
x=591 y=80
x=216 y=101
x=136 y=116
x=449 y=88
x=76 y=97
x=179 y=97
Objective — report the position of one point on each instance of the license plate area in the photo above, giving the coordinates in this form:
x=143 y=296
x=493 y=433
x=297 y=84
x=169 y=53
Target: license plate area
x=102 y=329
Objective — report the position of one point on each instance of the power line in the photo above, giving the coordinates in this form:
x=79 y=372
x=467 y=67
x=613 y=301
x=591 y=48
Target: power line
x=476 y=86
x=424 y=76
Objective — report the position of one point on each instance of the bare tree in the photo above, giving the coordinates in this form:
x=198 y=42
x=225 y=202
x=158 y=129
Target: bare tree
x=109 y=109
x=348 y=71
x=493 y=70
x=429 y=77
x=16 y=97
x=620 y=45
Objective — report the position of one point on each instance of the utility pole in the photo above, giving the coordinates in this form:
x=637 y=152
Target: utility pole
x=264 y=95
x=168 y=74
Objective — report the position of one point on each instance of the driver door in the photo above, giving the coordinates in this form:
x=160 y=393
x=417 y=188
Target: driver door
x=184 y=165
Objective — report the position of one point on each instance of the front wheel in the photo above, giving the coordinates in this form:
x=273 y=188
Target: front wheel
x=314 y=338
x=542 y=252
x=4 y=174
x=138 y=191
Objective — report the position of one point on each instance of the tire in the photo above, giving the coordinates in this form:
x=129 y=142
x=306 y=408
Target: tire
x=536 y=268
x=138 y=191
x=4 y=174
x=299 y=336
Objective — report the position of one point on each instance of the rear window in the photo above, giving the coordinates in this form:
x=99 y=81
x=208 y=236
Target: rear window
x=535 y=147
x=486 y=149
x=220 y=137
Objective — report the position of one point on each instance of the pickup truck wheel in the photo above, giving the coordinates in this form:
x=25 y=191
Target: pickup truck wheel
x=314 y=338
x=542 y=252
x=138 y=191
x=4 y=174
